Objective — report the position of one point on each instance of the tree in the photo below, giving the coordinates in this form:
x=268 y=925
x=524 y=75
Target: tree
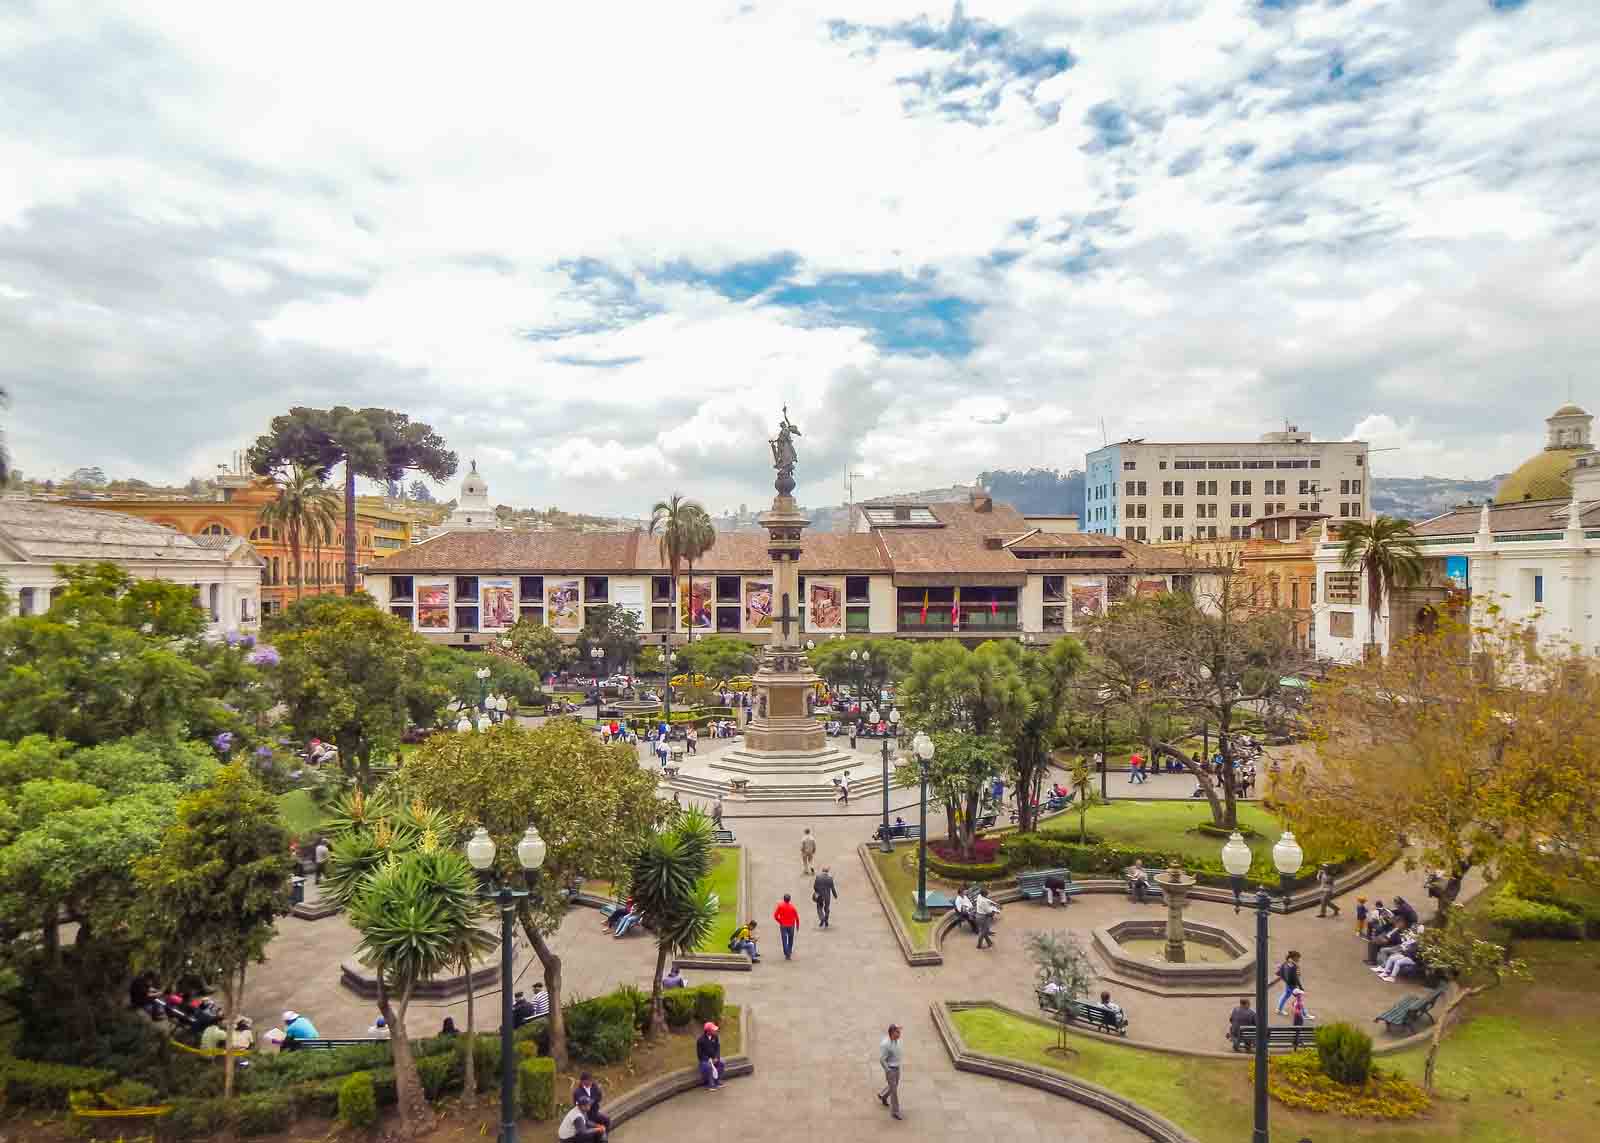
x=614 y=629
x=94 y=476
x=890 y=660
x=209 y=895
x=665 y=881
x=1082 y=782
x=378 y=444
x=1387 y=554
x=1482 y=760
x=353 y=675
x=511 y=777
x=1034 y=724
x=304 y=508
x=1476 y=966
x=962 y=764
x=534 y=645
x=717 y=657
x=420 y=492
x=649 y=662
x=677 y=519
x=1062 y=966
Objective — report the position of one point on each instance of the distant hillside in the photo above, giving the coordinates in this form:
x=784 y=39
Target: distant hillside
x=1423 y=497
x=1038 y=491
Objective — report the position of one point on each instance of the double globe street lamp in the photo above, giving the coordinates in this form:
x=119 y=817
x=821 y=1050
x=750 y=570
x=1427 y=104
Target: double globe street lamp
x=922 y=748
x=893 y=731
x=530 y=856
x=1286 y=858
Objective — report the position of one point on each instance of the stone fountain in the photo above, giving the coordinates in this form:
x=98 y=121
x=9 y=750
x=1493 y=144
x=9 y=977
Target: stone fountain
x=1175 y=956
x=1175 y=886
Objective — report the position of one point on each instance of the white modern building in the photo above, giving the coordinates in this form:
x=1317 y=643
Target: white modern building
x=1534 y=552
x=1153 y=491
x=36 y=536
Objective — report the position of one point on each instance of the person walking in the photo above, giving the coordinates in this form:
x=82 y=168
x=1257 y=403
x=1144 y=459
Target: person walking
x=843 y=794
x=808 y=850
x=1325 y=892
x=985 y=909
x=716 y=814
x=1289 y=973
x=890 y=1057
x=823 y=892
x=788 y=918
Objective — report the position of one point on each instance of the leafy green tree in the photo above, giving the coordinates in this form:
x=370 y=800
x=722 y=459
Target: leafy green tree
x=686 y=535
x=612 y=628
x=665 y=880
x=420 y=492
x=512 y=777
x=208 y=897
x=536 y=646
x=1062 y=966
x=962 y=764
x=354 y=676
x=649 y=662
x=1034 y=723
x=889 y=660
x=717 y=657
x=378 y=444
x=1385 y=549
x=305 y=507
x=1082 y=783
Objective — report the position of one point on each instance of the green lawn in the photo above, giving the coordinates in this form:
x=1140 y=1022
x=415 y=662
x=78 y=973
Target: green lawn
x=1524 y=1064
x=300 y=813
x=723 y=880
x=900 y=876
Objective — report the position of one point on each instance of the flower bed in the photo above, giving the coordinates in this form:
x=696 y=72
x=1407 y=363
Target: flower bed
x=1297 y=1080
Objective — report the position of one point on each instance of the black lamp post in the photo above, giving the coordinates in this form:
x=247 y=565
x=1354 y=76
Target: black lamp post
x=1286 y=856
x=894 y=729
x=667 y=659
x=922 y=747
x=530 y=855
x=1105 y=795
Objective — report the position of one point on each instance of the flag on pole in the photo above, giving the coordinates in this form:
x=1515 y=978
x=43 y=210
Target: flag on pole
x=924 y=605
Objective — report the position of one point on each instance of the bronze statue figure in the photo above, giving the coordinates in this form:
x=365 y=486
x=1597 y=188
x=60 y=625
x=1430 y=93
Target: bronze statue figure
x=783 y=454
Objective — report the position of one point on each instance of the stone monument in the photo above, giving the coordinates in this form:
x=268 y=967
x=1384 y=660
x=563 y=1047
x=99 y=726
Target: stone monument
x=782 y=735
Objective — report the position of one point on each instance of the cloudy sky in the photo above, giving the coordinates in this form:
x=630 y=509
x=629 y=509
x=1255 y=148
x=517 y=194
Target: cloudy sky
x=599 y=245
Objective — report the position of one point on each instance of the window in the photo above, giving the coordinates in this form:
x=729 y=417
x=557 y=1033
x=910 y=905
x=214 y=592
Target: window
x=400 y=587
x=1238 y=533
x=1205 y=488
x=1205 y=511
x=596 y=589
x=1055 y=618
x=1143 y=533
x=531 y=615
x=1294 y=594
x=466 y=619
x=1238 y=488
x=1183 y=583
x=1306 y=487
x=401 y=613
x=1355 y=488
x=1171 y=533
x=661 y=589
x=467 y=591
x=661 y=618
x=857 y=589
x=1342 y=624
x=857 y=619
x=1538 y=588
x=1129 y=466
x=924 y=609
x=1360 y=460
x=1344 y=488
x=214 y=530
x=1138 y=511
x=1161 y=464
x=1311 y=596
x=530 y=589
x=1055 y=586
x=25 y=601
x=1316 y=464
x=214 y=601
x=1342 y=586
x=1133 y=488
x=1172 y=488
x=1127 y=533
x=728 y=617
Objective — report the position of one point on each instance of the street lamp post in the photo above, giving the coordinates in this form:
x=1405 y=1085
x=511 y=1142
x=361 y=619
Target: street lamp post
x=530 y=856
x=922 y=747
x=482 y=674
x=894 y=729
x=667 y=660
x=1105 y=762
x=597 y=657
x=1286 y=857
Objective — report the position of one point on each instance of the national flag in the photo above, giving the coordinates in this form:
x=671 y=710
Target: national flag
x=924 y=606
x=955 y=611
x=994 y=607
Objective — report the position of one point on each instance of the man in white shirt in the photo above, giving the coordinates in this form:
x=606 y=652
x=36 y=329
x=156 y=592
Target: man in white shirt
x=576 y=1124
x=890 y=1057
x=985 y=909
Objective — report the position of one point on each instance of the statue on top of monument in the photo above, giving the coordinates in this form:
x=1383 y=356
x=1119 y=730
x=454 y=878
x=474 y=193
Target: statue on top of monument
x=783 y=454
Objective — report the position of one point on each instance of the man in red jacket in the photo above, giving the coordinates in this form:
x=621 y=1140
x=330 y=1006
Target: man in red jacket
x=788 y=918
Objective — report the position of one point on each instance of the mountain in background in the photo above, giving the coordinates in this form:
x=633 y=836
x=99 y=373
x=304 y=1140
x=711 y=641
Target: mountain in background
x=1424 y=497
x=1038 y=491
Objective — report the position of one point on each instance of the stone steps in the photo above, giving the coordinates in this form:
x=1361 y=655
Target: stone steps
x=767 y=791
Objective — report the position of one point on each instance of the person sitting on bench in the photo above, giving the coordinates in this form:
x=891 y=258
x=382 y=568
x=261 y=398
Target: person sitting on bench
x=1240 y=1018
x=1118 y=1016
x=1055 y=886
x=1137 y=880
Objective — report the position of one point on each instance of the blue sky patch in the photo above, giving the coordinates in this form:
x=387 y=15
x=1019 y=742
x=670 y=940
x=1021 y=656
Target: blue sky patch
x=1111 y=125
x=737 y=282
x=900 y=314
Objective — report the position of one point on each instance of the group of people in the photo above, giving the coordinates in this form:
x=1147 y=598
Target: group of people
x=621 y=920
x=976 y=908
x=1394 y=935
x=786 y=915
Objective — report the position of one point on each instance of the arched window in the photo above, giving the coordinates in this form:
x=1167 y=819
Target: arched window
x=214 y=529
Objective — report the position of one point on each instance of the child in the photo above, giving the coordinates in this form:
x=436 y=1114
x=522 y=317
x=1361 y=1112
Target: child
x=1297 y=1008
x=1361 y=916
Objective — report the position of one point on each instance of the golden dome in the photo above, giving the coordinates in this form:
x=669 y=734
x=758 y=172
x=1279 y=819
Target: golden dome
x=1546 y=475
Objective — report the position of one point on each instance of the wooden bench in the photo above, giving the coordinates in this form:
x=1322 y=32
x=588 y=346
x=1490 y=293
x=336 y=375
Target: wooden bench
x=1278 y=1039
x=1031 y=883
x=1152 y=887
x=1081 y=1011
x=722 y=837
x=739 y=785
x=292 y=1045
x=1408 y=1010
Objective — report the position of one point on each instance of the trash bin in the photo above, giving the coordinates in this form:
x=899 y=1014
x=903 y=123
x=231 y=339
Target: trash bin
x=297 y=890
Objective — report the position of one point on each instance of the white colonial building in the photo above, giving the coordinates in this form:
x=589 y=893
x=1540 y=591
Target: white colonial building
x=1533 y=552
x=473 y=512
x=36 y=536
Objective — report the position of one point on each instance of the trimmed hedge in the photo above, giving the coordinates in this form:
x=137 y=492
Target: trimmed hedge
x=678 y=1003
x=358 y=1100
x=1038 y=851
x=194 y=1119
x=1523 y=918
x=600 y=1031
x=32 y=1083
x=263 y=1114
x=536 y=1087
x=955 y=871
x=441 y=1074
x=1345 y=1053
x=708 y=1003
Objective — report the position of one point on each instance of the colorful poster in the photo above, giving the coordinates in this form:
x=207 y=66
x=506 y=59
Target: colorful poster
x=757 y=603
x=1088 y=601
x=497 y=610
x=433 y=606
x=1458 y=571
x=824 y=605
x=695 y=601
x=630 y=597
x=1149 y=588
x=561 y=603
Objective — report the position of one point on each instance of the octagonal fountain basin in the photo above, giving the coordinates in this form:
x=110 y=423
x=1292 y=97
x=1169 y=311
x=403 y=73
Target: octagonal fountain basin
x=1136 y=949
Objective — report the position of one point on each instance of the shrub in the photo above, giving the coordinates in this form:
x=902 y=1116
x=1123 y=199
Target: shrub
x=33 y=1083
x=536 y=1087
x=640 y=1001
x=708 y=1001
x=985 y=850
x=440 y=1074
x=358 y=1101
x=1534 y=918
x=1297 y=1080
x=600 y=1031
x=263 y=1114
x=956 y=871
x=1345 y=1053
x=194 y=1119
x=130 y=1093
x=679 y=1006
x=275 y=1072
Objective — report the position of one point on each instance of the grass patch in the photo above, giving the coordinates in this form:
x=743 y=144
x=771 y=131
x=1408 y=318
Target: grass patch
x=899 y=873
x=300 y=813
x=723 y=880
x=1523 y=1064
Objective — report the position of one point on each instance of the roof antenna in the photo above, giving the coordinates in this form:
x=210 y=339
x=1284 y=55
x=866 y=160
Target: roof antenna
x=1103 y=439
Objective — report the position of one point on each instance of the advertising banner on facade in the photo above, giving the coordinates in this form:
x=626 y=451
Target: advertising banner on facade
x=497 y=609
x=757 y=603
x=561 y=603
x=824 y=605
x=1150 y=588
x=630 y=597
x=1088 y=601
x=695 y=601
x=1458 y=570
x=433 y=606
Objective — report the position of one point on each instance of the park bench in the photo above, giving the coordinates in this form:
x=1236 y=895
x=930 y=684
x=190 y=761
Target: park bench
x=739 y=785
x=1152 y=887
x=669 y=771
x=1408 y=1010
x=1288 y=1039
x=722 y=837
x=1031 y=883
x=1081 y=1011
x=313 y=1045
x=987 y=821
x=1054 y=804
x=610 y=909
x=908 y=832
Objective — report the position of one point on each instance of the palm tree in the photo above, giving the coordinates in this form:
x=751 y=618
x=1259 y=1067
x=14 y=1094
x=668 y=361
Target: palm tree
x=699 y=538
x=1387 y=554
x=304 y=506
x=664 y=880
x=676 y=520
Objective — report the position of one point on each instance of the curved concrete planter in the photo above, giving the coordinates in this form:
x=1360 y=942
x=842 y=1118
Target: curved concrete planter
x=1141 y=1119
x=916 y=957
x=636 y=1101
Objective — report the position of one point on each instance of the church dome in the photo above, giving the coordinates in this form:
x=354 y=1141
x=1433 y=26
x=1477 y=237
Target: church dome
x=1547 y=475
